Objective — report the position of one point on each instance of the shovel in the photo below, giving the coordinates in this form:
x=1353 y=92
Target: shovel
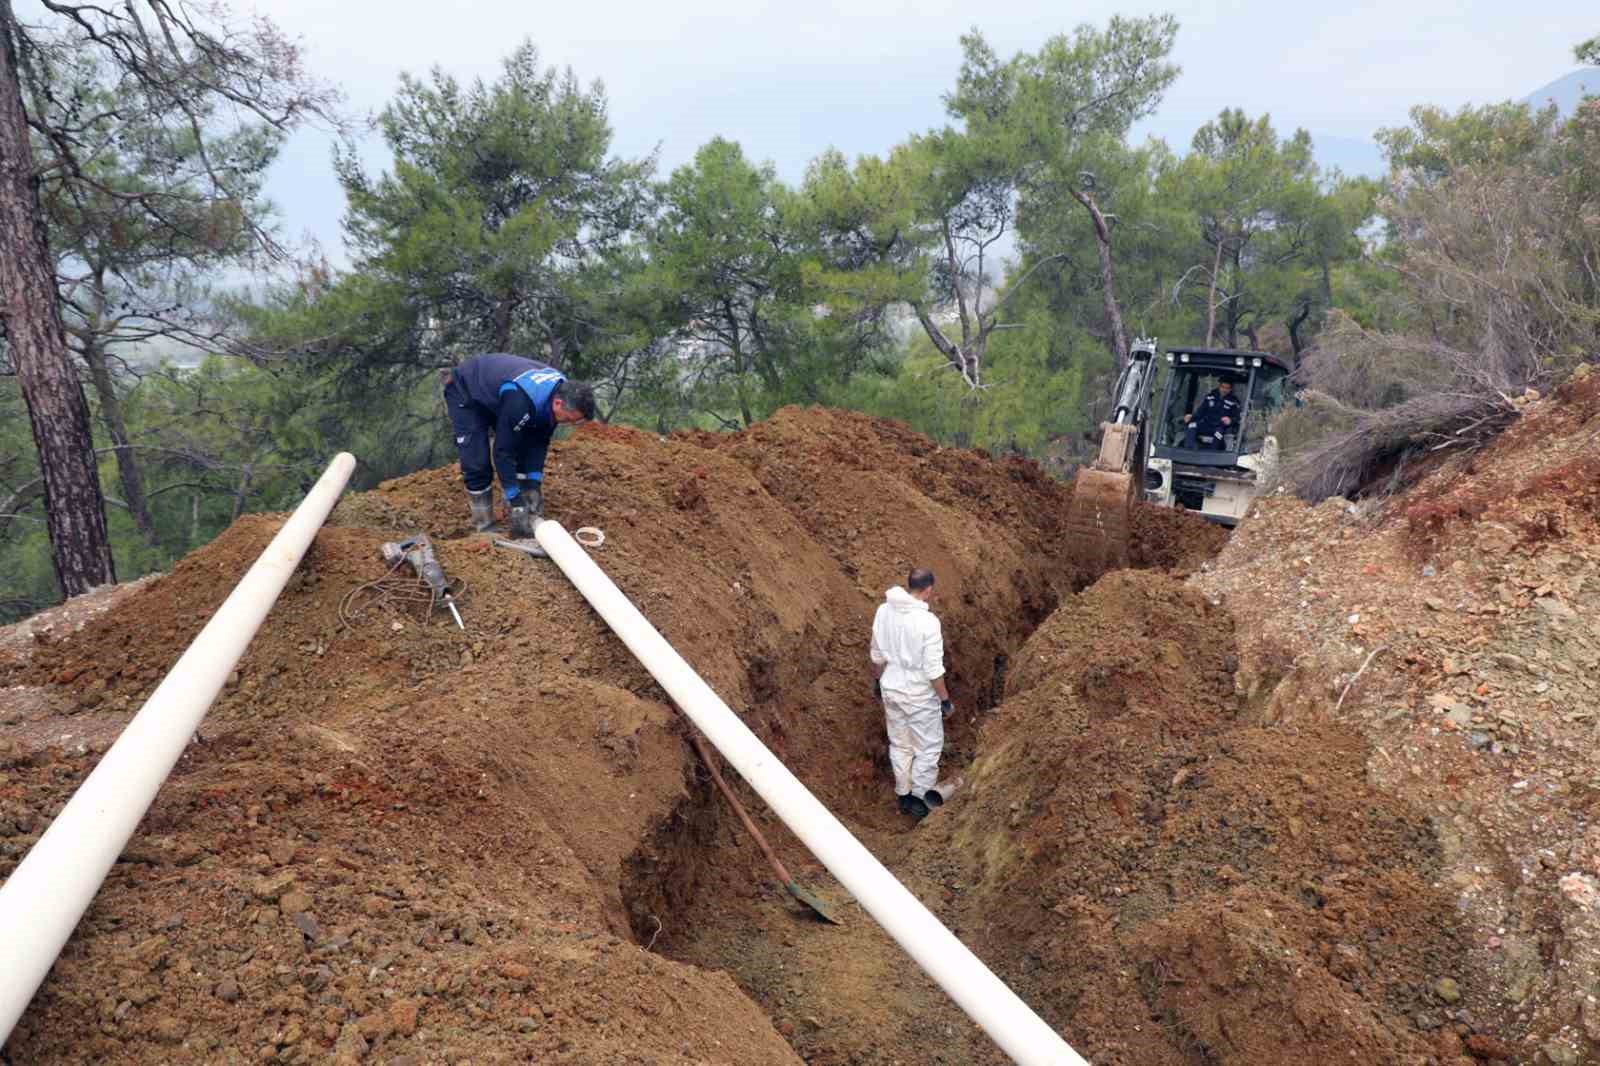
x=790 y=885
x=527 y=547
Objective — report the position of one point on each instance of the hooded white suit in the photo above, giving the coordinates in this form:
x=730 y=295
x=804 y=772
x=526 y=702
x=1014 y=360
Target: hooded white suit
x=908 y=640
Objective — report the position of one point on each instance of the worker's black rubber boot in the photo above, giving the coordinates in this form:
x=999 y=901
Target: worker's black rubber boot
x=481 y=504
x=919 y=810
x=905 y=803
x=932 y=798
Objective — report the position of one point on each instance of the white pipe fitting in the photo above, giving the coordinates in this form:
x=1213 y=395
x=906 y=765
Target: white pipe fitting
x=1018 y=1031
x=42 y=900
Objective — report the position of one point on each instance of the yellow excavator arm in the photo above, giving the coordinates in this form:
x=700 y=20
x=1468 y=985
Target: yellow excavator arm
x=1099 y=524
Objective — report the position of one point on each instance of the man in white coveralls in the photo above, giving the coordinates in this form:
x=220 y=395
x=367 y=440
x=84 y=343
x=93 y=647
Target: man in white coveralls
x=908 y=661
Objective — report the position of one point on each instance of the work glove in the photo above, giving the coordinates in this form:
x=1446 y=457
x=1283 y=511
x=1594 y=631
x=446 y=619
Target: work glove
x=946 y=708
x=521 y=519
x=532 y=495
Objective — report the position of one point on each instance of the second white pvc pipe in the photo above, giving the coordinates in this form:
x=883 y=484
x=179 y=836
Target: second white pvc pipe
x=42 y=900
x=1012 y=1025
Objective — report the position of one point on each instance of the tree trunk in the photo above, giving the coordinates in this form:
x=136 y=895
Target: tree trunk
x=959 y=359
x=1211 y=294
x=1294 y=329
x=243 y=491
x=1235 y=287
x=1102 y=240
x=74 y=507
x=739 y=388
x=500 y=341
x=129 y=471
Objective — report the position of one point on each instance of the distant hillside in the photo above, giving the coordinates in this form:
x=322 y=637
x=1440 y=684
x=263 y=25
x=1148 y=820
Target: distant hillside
x=1566 y=92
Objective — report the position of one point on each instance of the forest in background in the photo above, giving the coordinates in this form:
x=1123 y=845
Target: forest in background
x=981 y=281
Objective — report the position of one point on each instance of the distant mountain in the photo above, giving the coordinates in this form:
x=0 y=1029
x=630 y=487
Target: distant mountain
x=1360 y=156
x=1566 y=92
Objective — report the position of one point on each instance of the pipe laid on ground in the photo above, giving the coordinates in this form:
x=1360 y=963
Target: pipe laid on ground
x=1020 y=1032
x=42 y=900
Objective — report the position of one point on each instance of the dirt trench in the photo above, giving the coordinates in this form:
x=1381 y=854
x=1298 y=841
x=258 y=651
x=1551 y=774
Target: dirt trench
x=1172 y=881
x=403 y=843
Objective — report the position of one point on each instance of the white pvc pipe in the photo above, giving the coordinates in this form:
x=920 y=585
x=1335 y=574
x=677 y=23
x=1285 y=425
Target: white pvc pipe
x=42 y=900
x=1020 y=1032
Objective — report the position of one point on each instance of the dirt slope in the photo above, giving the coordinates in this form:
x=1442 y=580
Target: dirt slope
x=1172 y=883
x=1472 y=599
x=402 y=843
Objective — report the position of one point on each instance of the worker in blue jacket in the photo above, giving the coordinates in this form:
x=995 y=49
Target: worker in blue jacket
x=519 y=402
x=1214 y=420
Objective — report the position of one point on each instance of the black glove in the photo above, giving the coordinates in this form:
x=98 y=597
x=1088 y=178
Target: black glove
x=521 y=519
x=532 y=494
x=945 y=707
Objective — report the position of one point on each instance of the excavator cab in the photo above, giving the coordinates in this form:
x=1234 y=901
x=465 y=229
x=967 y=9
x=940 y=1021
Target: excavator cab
x=1146 y=450
x=1219 y=477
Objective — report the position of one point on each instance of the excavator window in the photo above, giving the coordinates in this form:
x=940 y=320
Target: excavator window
x=1189 y=386
x=1266 y=400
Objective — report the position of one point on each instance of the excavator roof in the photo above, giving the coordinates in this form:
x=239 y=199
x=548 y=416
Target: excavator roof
x=1223 y=356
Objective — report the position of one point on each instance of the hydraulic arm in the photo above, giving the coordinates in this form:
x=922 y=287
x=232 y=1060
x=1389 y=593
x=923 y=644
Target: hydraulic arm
x=1103 y=494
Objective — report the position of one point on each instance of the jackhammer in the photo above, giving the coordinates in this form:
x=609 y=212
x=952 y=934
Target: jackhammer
x=418 y=551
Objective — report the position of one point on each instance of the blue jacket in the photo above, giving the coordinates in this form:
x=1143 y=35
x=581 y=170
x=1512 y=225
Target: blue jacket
x=515 y=393
x=1208 y=419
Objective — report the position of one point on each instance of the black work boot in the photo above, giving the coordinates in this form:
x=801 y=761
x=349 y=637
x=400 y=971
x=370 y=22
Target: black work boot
x=918 y=809
x=905 y=803
x=481 y=504
x=932 y=798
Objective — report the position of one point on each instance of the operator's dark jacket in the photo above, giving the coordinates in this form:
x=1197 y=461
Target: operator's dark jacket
x=508 y=396
x=1208 y=419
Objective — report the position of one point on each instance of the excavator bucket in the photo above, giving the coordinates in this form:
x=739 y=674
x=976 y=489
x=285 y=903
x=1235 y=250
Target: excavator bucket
x=1100 y=522
x=1098 y=525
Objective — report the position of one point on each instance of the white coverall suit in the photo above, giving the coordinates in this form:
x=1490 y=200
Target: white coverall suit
x=908 y=640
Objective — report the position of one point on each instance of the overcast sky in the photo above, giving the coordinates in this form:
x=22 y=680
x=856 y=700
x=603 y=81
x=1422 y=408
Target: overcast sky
x=788 y=79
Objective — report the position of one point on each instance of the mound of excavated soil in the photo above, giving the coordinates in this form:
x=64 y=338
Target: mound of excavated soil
x=1455 y=629
x=404 y=843
x=1171 y=883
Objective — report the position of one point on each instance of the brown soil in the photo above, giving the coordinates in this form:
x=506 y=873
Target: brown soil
x=1172 y=883
x=1455 y=628
x=401 y=843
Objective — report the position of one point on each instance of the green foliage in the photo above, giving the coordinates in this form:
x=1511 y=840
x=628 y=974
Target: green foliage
x=1267 y=227
x=501 y=211
x=1493 y=237
x=728 y=269
x=222 y=439
x=924 y=224
x=1588 y=52
x=1437 y=143
x=1035 y=396
x=714 y=296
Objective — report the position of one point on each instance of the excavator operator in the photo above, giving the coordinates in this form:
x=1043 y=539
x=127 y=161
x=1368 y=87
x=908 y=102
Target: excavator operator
x=1215 y=418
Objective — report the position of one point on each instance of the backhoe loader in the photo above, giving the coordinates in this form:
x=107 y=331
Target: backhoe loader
x=1145 y=452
